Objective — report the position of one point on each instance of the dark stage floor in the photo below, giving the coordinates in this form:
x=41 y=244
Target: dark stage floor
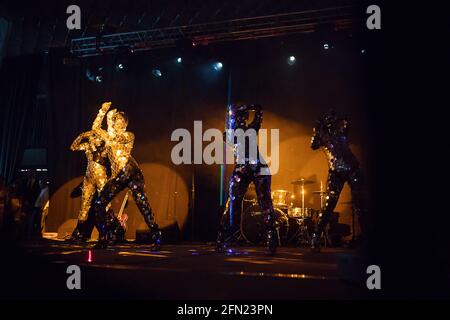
x=182 y=271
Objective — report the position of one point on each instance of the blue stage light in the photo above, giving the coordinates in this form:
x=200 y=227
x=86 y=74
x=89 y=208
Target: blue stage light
x=120 y=67
x=291 y=60
x=217 y=66
x=157 y=73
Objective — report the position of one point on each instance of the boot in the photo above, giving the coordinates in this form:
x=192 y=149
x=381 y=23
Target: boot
x=156 y=237
x=102 y=242
x=116 y=233
x=271 y=241
x=79 y=235
x=220 y=241
x=315 y=242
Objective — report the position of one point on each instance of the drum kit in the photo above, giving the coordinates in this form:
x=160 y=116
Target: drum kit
x=293 y=220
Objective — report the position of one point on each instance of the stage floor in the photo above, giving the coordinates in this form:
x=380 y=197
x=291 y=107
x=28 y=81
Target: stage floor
x=181 y=271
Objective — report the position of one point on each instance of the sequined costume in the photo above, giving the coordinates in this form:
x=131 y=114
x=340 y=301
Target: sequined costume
x=246 y=170
x=94 y=180
x=331 y=135
x=125 y=173
x=96 y=176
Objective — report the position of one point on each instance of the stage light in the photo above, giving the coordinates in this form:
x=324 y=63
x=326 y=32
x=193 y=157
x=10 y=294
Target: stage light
x=218 y=66
x=119 y=67
x=95 y=74
x=326 y=46
x=291 y=60
x=157 y=73
x=363 y=51
x=179 y=60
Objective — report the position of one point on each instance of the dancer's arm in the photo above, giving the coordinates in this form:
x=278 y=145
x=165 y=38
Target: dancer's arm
x=77 y=145
x=97 y=124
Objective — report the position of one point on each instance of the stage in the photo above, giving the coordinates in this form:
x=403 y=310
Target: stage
x=192 y=271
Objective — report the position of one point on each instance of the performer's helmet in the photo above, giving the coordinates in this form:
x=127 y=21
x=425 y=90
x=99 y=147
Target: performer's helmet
x=240 y=111
x=120 y=121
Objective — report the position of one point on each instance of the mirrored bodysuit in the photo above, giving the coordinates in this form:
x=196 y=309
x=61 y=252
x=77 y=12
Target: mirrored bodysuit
x=94 y=180
x=125 y=173
x=246 y=171
x=331 y=135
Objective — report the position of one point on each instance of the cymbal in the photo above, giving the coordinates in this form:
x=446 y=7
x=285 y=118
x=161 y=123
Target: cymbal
x=302 y=181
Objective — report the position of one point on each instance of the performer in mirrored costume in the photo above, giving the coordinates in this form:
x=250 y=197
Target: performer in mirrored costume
x=125 y=173
x=331 y=135
x=94 y=180
x=248 y=169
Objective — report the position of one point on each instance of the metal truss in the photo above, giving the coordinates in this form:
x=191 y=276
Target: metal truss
x=230 y=30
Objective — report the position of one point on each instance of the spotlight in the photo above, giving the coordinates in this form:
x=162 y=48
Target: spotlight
x=157 y=73
x=326 y=46
x=218 y=66
x=179 y=60
x=119 y=67
x=291 y=60
x=95 y=75
x=363 y=51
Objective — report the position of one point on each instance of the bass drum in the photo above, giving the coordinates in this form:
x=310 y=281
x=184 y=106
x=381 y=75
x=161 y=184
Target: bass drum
x=253 y=229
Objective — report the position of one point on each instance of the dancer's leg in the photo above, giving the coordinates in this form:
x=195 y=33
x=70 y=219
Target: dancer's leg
x=263 y=192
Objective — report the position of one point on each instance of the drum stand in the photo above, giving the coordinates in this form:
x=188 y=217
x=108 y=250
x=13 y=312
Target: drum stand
x=326 y=240
x=302 y=235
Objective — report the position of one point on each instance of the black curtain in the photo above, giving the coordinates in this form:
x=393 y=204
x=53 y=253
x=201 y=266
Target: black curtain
x=19 y=78
x=65 y=114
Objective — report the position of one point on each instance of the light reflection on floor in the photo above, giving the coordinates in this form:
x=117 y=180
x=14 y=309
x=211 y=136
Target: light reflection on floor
x=251 y=261
x=63 y=252
x=195 y=270
x=142 y=254
x=280 y=275
x=197 y=256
